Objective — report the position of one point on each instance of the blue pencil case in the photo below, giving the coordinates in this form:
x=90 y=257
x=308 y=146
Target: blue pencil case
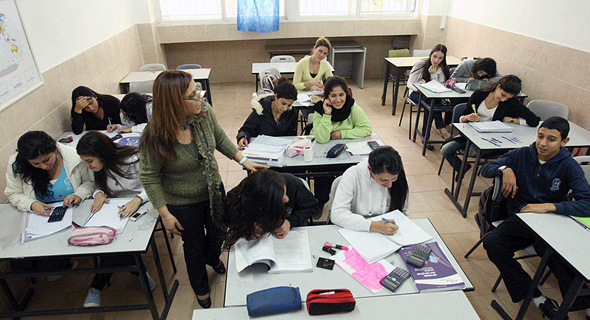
x=273 y=300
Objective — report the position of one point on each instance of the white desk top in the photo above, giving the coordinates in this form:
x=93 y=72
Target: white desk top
x=408 y=62
x=255 y=278
x=453 y=94
x=121 y=96
x=434 y=305
x=283 y=67
x=320 y=150
x=135 y=237
x=579 y=137
x=135 y=76
x=77 y=137
x=565 y=236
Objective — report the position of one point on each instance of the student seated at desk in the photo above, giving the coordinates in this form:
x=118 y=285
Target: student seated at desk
x=536 y=179
x=371 y=188
x=482 y=69
x=432 y=68
x=43 y=172
x=311 y=72
x=267 y=201
x=495 y=102
x=136 y=112
x=116 y=174
x=272 y=114
x=94 y=110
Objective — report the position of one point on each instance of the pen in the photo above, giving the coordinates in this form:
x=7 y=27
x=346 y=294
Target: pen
x=110 y=121
x=388 y=221
x=473 y=107
x=337 y=246
x=498 y=141
x=491 y=141
x=509 y=139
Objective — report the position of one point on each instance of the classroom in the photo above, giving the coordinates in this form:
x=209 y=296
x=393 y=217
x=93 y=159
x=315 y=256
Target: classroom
x=99 y=44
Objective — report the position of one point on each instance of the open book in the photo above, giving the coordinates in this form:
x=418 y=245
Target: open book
x=290 y=254
x=374 y=246
x=434 y=86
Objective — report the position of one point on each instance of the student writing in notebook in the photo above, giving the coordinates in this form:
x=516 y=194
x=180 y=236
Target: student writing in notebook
x=136 y=112
x=371 y=188
x=482 y=69
x=538 y=179
x=267 y=201
x=116 y=174
x=495 y=102
x=93 y=110
x=272 y=114
x=311 y=72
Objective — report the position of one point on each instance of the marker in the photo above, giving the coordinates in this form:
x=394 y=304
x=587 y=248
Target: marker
x=473 y=107
x=388 y=221
x=59 y=195
x=110 y=124
x=337 y=246
x=329 y=250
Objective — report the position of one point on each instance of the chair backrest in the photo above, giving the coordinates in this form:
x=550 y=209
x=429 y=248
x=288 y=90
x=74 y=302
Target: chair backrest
x=153 y=67
x=584 y=162
x=270 y=71
x=458 y=111
x=309 y=125
x=546 y=109
x=189 y=66
x=451 y=70
x=399 y=53
x=304 y=183
x=333 y=188
x=283 y=58
x=492 y=207
x=141 y=86
x=420 y=53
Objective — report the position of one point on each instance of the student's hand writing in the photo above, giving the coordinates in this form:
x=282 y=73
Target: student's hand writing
x=243 y=143
x=41 y=208
x=81 y=103
x=433 y=69
x=72 y=199
x=253 y=166
x=129 y=208
x=336 y=135
x=472 y=117
x=111 y=127
x=315 y=83
x=539 y=207
x=509 y=183
x=99 y=200
x=384 y=227
x=124 y=130
x=171 y=224
x=283 y=230
x=422 y=81
x=317 y=88
x=327 y=107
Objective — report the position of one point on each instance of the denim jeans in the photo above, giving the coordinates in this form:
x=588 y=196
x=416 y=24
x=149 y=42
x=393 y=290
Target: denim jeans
x=449 y=152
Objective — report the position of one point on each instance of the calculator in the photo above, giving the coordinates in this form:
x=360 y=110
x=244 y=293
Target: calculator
x=395 y=278
x=458 y=90
x=419 y=255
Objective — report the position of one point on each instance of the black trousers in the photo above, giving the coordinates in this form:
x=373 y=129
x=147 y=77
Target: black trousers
x=100 y=280
x=201 y=242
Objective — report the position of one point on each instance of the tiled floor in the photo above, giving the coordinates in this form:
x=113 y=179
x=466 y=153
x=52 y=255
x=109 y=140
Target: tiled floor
x=427 y=201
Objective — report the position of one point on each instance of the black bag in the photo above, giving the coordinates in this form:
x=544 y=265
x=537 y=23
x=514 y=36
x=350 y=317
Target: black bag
x=492 y=207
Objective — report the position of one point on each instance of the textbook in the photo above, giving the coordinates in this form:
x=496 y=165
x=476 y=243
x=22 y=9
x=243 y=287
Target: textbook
x=290 y=254
x=374 y=246
x=437 y=274
x=266 y=148
x=491 y=126
x=583 y=221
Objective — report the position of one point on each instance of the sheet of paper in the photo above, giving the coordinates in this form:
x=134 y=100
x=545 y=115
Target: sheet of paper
x=360 y=148
x=434 y=86
x=108 y=216
x=292 y=253
x=37 y=225
x=303 y=97
x=408 y=233
x=271 y=141
x=372 y=246
x=366 y=274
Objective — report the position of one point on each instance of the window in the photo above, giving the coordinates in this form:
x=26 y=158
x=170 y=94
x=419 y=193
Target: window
x=309 y=8
x=176 y=10
x=372 y=7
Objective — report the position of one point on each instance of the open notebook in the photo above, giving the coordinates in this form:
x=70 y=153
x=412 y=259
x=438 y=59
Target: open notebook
x=374 y=246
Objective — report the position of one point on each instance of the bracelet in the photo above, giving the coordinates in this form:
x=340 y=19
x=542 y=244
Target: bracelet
x=241 y=162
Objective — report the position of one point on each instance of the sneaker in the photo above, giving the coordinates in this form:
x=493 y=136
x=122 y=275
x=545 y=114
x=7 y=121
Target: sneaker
x=549 y=309
x=73 y=265
x=92 y=299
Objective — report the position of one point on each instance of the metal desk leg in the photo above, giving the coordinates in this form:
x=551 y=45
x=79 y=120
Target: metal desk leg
x=569 y=298
x=385 y=82
x=396 y=92
x=146 y=286
x=256 y=77
x=536 y=279
x=417 y=116
x=471 y=184
x=453 y=194
x=428 y=127
x=165 y=233
x=16 y=306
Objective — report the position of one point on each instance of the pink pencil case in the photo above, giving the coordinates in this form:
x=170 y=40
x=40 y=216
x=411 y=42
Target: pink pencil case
x=92 y=236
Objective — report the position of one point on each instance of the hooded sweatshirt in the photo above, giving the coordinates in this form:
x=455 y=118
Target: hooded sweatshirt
x=261 y=120
x=544 y=183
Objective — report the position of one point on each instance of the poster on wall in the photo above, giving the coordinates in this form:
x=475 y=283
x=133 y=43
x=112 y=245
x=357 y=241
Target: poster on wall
x=19 y=74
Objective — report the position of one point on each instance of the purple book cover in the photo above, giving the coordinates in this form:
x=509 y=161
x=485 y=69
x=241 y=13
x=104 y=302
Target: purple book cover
x=437 y=273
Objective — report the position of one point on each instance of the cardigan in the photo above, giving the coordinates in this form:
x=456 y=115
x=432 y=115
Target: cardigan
x=261 y=120
x=509 y=108
x=302 y=73
x=416 y=74
x=357 y=125
x=464 y=71
x=110 y=106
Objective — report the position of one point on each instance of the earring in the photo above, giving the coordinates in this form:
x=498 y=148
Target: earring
x=56 y=156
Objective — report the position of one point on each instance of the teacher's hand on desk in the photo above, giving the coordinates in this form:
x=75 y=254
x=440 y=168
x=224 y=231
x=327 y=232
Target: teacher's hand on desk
x=283 y=230
x=41 y=208
x=384 y=227
x=539 y=207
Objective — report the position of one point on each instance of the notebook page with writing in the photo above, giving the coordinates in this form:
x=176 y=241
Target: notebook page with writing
x=108 y=216
x=292 y=253
x=255 y=251
x=408 y=233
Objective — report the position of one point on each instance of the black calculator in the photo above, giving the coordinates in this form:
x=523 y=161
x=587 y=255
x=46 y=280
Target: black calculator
x=395 y=278
x=57 y=214
x=458 y=90
x=419 y=255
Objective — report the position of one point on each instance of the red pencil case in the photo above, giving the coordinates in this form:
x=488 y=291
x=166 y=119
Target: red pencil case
x=326 y=301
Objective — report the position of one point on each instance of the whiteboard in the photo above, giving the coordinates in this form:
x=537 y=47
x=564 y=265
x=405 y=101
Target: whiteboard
x=19 y=74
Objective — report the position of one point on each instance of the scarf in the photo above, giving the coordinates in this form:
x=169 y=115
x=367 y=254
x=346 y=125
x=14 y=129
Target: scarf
x=338 y=115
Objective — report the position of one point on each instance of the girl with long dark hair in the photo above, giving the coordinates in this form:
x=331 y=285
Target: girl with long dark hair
x=93 y=110
x=136 y=112
x=371 y=188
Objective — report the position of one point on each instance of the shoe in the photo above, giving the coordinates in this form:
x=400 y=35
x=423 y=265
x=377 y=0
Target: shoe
x=220 y=269
x=430 y=147
x=73 y=265
x=92 y=299
x=205 y=304
x=549 y=309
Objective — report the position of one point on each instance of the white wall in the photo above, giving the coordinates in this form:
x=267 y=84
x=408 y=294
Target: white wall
x=433 y=7
x=563 y=22
x=60 y=29
x=145 y=11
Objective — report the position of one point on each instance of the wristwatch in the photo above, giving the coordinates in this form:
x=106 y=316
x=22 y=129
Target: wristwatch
x=140 y=198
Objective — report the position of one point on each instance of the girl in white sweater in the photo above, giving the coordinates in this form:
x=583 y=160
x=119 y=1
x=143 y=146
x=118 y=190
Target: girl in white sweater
x=372 y=188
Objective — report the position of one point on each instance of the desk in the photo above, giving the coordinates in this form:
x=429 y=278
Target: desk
x=355 y=66
x=77 y=137
x=135 y=240
x=254 y=278
x=579 y=138
x=283 y=67
x=560 y=243
x=199 y=75
x=451 y=305
x=402 y=65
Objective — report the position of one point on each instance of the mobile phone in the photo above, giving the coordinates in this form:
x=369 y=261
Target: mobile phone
x=138 y=214
x=117 y=137
x=373 y=144
x=57 y=214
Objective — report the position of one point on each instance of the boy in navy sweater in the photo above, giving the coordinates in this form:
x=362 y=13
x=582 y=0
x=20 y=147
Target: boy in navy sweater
x=536 y=179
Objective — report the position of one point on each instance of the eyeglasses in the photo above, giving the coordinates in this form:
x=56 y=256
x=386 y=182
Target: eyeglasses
x=194 y=96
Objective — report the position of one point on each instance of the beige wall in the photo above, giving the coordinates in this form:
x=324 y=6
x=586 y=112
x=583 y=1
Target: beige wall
x=48 y=108
x=549 y=71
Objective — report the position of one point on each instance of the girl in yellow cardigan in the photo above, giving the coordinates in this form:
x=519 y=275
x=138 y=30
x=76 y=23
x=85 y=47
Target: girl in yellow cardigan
x=312 y=71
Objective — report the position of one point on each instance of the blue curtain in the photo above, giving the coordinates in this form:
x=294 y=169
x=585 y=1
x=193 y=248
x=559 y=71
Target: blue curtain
x=258 y=15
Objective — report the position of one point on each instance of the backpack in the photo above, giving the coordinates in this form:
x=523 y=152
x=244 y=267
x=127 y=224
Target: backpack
x=268 y=82
x=492 y=207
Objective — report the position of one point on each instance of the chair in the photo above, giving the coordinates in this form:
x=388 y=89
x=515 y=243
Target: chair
x=584 y=162
x=282 y=59
x=265 y=72
x=546 y=109
x=153 y=67
x=333 y=188
x=141 y=86
x=189 y=66
x=401 y=116
x=457 y=112
x=308 y=126
x=420 y=53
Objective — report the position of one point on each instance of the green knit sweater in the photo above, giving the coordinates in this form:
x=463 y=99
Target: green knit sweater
x=183 y=180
